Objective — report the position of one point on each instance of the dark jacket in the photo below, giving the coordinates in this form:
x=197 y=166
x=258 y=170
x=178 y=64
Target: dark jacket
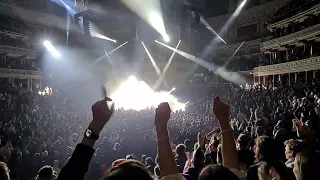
x=78 y=164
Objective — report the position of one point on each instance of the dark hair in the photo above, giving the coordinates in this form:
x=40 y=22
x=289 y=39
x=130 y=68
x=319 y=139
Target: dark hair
x=246 y=157
x=128 y=169
x=3 y=170
x=45 y=172
x=267 y=149
x=244 y=141
x=216 y=172
x=180 y=149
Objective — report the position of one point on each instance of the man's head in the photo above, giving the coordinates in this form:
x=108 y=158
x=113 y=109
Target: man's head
x=243 y=141
x=216 y=172
x=46 y=173
x=180 y=149
x=4 y=171
x=292 y=147
x=265 y=149
x=128 y=169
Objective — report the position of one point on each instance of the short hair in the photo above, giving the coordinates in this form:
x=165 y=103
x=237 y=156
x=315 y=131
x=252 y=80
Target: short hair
x=267 y=149
x=216 y=172
x=295 y=145
x=128 y=169
x=4 y=170
x=243 y=140
x=180 y=149
x=45 y=172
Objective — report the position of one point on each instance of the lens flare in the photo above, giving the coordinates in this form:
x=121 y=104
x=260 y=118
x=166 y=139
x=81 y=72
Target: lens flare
x=138 y=95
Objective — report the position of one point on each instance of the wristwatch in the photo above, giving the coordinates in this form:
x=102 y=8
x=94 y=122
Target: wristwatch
x=91 y=135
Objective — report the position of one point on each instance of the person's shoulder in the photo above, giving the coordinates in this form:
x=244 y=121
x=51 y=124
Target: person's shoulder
x=252 y=173
x=174 y=177
x=240 y=174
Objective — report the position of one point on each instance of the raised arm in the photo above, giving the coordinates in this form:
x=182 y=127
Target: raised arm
x=167 y=163
x=229 y=151
x=78 y=164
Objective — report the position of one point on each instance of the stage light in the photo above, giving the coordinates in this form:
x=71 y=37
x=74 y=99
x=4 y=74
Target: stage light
x=166 y=38
x=51 y=49
x=138 y=95
x=149 y=11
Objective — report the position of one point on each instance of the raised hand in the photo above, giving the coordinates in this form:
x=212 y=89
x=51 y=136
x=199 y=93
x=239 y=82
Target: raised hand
x=220 y=109
x=163 y=113
x=101 y=114
x=105 y=94
x=201 y=140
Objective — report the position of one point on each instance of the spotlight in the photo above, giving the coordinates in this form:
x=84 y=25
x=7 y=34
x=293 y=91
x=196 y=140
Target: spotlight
x=166 y=38
x=51 y=49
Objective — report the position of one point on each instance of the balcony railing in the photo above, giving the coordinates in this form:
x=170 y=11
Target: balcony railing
x=309 y=64
x=19 y=73
x=16 y=50
x=302 y=11
x=291 y=38
x=296 y=17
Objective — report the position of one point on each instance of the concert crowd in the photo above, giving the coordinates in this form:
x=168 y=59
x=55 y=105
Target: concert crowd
x=275 y=134
x=257 y=132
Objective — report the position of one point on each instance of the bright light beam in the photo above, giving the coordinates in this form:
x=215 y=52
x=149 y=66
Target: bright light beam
x=161 y=78
x=233 y=17
x=51 y=49
x=95 y=32
x=204 y=22
x=150 y=12
x=71 y=11
x=111 y=62
x=109 y=53
x=100 y=36
x=233 y=77
x=115 y=49
x=152 y=61
x=234 y=53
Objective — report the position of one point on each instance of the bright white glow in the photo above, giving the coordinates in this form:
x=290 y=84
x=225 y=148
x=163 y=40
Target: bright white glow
x=154 y=64
x=240 y=7
x=166 y=38
x=207 y=25
x=233 y=77
x=149 y=11
x=115 y=49
x=100 y=36
x=51 y=49
x=224 y=29
x=162 y=77
x=156 y=21
x=95 y=32
x=138 y=95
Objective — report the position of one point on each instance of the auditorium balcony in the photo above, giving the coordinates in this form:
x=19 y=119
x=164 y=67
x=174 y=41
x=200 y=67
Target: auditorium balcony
x=294 y=51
